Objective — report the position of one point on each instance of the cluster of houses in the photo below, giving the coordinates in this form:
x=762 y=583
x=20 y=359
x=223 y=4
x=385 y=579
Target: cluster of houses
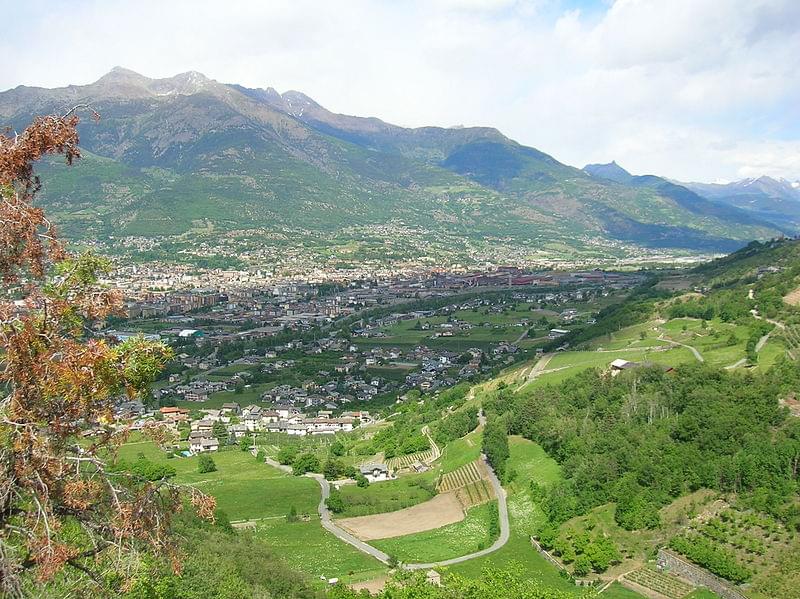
x=221 y=426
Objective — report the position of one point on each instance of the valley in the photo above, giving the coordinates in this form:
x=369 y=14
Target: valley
x=285 y=352
x=434 y=506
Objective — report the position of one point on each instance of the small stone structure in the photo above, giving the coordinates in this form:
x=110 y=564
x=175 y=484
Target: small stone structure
x=667 y=560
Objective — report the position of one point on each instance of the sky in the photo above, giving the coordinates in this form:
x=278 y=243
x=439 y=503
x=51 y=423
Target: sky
x=695 y=90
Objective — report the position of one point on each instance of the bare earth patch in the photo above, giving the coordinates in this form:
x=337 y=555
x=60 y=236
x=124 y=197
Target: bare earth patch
x=374 y=586
x=793 y=297
x=440 y=511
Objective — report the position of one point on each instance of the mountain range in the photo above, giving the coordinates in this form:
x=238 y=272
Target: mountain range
x=188 y=154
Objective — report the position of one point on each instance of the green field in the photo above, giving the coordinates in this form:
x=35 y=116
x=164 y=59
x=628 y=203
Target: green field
x=308 y=547
x=461 y=451
x=248 y=490
x=471 y=534
x=388 y=496
x=245 y=489
x=569 y=363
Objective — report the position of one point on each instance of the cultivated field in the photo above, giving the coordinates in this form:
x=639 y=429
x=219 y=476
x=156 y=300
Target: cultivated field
x=473 y=533
x=406 y=461
x=463 y=476
x=475 y=493
x=440 y=511
x=663 y=584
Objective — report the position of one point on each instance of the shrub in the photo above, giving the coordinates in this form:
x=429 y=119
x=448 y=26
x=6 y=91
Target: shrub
x=306 y=462
x=206 y=464
x=335 y=502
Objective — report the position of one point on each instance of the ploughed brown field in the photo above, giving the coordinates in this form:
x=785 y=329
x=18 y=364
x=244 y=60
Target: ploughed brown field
x=440 y=511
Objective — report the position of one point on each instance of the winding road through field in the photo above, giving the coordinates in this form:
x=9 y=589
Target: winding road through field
x=328 y=523
x=341 y=534
x=505 y=529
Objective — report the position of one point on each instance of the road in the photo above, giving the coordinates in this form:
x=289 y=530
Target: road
x=505 y=530
x=341 y=534
x=436 y=452
x=329 y=525
x=696 y=353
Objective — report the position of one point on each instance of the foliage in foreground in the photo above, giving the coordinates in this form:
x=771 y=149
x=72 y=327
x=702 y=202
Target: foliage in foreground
x=222 y=564
x=64 y=511
x=493 y=583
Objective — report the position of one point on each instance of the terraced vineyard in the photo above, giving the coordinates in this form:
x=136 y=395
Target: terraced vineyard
x=661 y=583
x=461 y=477
x=475 y=493
x=406 y=461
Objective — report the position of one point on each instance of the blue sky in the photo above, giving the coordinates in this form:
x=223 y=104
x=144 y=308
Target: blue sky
x=690 y=89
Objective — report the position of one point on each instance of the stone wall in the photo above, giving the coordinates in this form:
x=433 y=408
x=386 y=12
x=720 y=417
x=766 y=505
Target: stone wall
x=667 y=560
x=546 y=555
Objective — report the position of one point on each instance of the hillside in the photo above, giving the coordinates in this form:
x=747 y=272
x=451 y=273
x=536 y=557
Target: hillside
x=673 y=419
x=189 y=154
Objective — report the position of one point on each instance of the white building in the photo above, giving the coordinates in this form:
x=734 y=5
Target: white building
x=203 y=445
x=375 y=472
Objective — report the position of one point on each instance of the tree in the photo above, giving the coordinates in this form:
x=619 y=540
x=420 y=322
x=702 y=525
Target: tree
x=62 y=504
x=583 y=565
x=361 y=480
x=334 y=469
x=306 y=462
x=292 y=515
x=287 y=454
x=205 y=464
x=495 y=445
x=245 y=444
x=219 y=430
x=337 y=448
x=335 y=502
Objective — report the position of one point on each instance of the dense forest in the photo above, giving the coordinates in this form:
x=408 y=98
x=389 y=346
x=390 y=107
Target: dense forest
x=646 y=437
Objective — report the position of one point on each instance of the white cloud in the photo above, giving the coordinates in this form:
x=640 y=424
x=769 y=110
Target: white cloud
x=691 y=89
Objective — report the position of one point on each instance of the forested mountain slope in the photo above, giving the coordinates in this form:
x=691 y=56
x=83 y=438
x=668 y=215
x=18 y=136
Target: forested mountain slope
x=681 y=453
x=179 y=154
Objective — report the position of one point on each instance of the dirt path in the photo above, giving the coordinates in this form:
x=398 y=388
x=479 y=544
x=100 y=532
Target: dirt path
x=738 y=364
x=434 y=448
x=537 y=369
x=762 y=342
x=694 y=351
